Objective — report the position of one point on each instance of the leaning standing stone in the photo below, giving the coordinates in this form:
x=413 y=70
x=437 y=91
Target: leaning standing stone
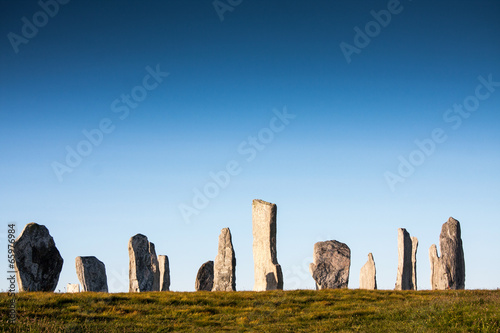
x=205 y=277
x=225 y=264
x=368 y=274
x=38 y=263
x=267 y=271
x=331 y=264
x=164 y=273
x=92 y=274
x=144 y=274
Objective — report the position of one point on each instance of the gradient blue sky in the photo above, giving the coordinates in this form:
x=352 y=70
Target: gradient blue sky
x=325 y=170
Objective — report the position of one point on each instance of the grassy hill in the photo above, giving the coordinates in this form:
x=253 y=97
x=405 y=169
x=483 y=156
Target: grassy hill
x=272 y=311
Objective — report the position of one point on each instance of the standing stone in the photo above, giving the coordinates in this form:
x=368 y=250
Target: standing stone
x=448 y=272
x=144 y=273
x=205 y=277
x=225 y=264
x=414 y=246
x=267 y=271
x=38 y=263
x=92 y=274
x=331 y=264
x=164 y=273
x=368 y=274
x=72 y=288
x=407 y=261
x=439 y=278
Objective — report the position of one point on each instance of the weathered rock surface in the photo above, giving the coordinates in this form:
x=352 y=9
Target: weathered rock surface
x=439 y=278
x=225 y=264
x=267 y=271
x=368 y=274
x=205 y=277
x=448 y=272
x=72 y=288
x=91 y=273
x=407 y=261
x=38 y=263
x=331 y=264
x=164 y=273
x=414 y=246
x=144 y=273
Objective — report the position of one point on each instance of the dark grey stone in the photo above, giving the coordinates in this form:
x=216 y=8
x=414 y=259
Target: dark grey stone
x=205 y=277
x=92 y=274
x=38 y=262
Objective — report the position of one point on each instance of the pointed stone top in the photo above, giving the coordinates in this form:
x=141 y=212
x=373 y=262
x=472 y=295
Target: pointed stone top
x=139 y=236
x=36 y=232
x=225 y=233
x=370 y=256
x=450 y=228
x=262 y=202
x=225 y=238
x=452 y=222
x=35 y=227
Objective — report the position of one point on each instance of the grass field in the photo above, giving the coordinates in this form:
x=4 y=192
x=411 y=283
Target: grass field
x=272 y=311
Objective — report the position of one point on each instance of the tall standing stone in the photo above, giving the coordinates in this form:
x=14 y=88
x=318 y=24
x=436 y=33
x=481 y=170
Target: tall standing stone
x=205 y=277
x=407 y=261
x=144 y=273
x=164 y=273
x=225 y=264
x=267 y=271
x=368 y=274
x=91 y=273
x=448 y=272
x=38 y=263
x=414 y=246
x=439 y=278
x=331 y=264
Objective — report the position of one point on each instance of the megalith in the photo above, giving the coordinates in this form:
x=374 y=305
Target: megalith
x=331 y=264
x=267 y=271
x=144 y=273
x=368 y=274
x=407 y=261
x=225 y=264
x=164 y=273
x=38 y=263
x=448 y=271
x=439 y=278
x=414 y=246
x=205 y=277
x=91 y=273
x=72 y=288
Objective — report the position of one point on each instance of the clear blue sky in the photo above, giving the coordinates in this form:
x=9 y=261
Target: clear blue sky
x=326 y=168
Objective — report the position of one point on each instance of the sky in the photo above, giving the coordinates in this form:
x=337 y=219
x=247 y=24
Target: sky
x=167 y=118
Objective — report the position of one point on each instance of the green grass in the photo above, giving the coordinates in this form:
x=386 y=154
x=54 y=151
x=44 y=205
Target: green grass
x=272 y=311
